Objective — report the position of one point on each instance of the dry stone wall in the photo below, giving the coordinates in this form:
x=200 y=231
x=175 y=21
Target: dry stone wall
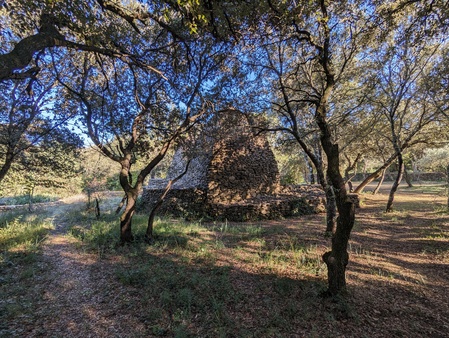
x=233 y=175
x=241 y=168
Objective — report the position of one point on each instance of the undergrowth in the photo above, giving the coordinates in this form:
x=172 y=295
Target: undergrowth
x=190 y=275
x=23 y=231
x=21 y=236
x=260 y=279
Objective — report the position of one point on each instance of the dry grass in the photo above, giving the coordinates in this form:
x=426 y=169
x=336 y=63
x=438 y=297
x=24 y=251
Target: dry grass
x=235 y=280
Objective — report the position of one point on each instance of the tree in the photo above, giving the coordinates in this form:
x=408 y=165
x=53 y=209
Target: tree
x=28 y=117
x=312 y=36
x=399 y=69
x=36 y=27
x=291 y=107
x=123 y=108
x=298 y=46
x=52 y=163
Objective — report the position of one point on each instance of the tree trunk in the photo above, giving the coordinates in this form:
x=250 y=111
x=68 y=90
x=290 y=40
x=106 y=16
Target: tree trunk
x=447 y=173
x=407 y=178
x=415 y=172
x=97 y=207
x=120 y=206
x=381 y=180
x=126 y=220
x=350 y=186
x=375 y=174
x=331 y=210
x=9 y=158
x=351 y=166
x=368 y=180
x=396 y=183
x=149 y=233
x=311 y=175
x=337 y=259
x=30 y=198
x=89 y=202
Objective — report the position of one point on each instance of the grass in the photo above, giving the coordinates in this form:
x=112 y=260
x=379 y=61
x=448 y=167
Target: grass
x=260 y=279
x=428 y=188
x=25 y=199
x=21 y=237
x=23 y=232
x=188 y=275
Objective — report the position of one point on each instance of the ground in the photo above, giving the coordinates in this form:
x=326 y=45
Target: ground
x=261 y=279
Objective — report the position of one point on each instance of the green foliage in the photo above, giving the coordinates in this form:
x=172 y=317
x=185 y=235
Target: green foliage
x=98 y=172
x=291 y=164
x=435 y=159
x=50 y=166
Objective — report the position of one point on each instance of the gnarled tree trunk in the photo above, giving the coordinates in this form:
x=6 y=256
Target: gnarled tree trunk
x=126 y=218
x=396 y=183
x=337 y=259
x=331 y=210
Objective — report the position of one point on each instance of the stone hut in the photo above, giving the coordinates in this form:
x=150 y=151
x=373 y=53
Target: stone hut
x=232 y=175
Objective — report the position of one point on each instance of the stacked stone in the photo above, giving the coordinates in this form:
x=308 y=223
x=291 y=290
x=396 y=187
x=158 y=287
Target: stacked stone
x=233 y=176
x=242 y=167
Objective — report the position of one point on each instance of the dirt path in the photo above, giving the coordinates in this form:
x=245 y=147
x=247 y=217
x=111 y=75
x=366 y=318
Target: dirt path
x=406 y=253
x=75 y=301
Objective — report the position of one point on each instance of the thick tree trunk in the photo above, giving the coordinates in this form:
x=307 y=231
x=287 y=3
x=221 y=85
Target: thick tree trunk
x=381 y=180
x=337 y=259
x=126 y=220
x=395 y=185
x=9 y=158
x=331 y=210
